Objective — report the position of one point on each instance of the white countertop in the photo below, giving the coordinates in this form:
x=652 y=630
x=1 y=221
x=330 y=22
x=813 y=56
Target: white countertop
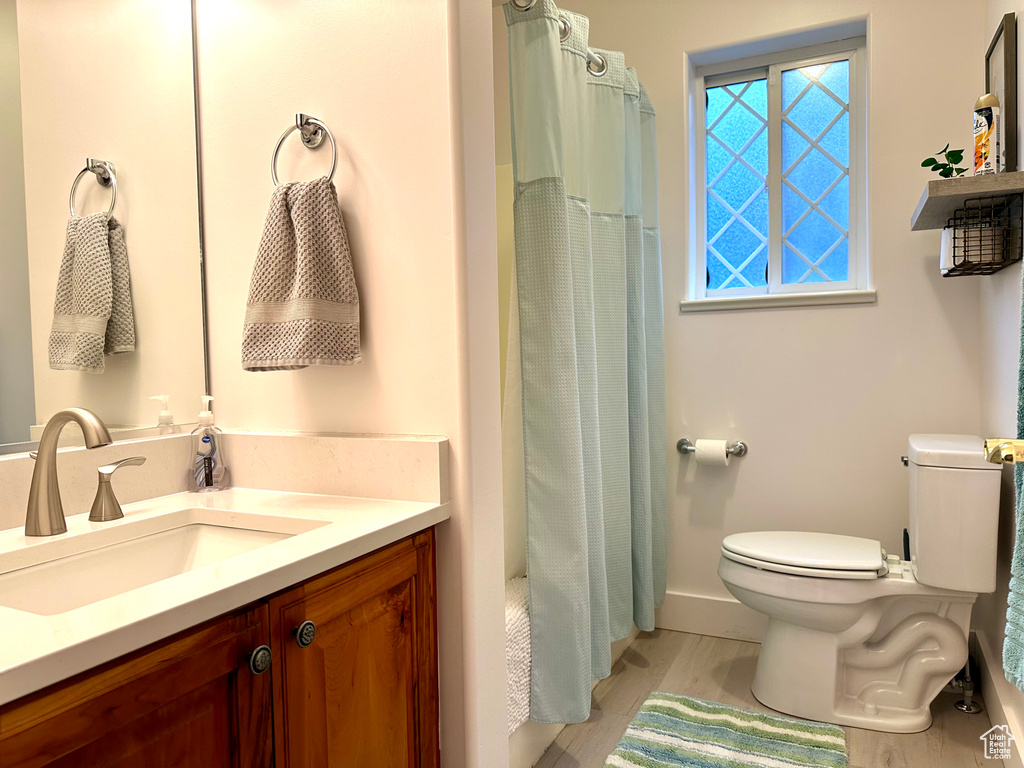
x=37 y=651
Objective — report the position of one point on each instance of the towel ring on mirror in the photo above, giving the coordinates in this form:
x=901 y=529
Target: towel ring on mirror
x=311 y=131
x=105 y=177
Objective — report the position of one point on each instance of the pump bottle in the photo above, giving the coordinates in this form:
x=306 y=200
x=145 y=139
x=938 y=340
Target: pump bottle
x=208 y=471
x=165 y=421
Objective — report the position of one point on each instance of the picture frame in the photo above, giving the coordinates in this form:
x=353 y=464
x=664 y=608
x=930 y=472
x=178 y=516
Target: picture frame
x=1001 y=81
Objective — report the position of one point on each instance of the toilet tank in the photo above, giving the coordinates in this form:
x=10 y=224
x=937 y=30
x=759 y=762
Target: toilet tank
x=954 y=512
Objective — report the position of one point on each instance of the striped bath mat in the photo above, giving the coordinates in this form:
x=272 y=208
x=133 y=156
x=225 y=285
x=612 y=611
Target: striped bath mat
x=672 y=730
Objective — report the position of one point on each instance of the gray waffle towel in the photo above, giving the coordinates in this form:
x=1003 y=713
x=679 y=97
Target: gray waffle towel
x=92 y=314
x=303 y=307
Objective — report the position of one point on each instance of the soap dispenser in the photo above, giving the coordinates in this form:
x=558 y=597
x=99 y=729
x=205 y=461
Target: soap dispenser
x=165 y=421
x=208 y=471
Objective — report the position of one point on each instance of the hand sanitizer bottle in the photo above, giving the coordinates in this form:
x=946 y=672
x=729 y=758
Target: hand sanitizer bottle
x=208 y=471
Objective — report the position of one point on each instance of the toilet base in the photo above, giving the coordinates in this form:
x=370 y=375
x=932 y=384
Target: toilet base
x=882 y=683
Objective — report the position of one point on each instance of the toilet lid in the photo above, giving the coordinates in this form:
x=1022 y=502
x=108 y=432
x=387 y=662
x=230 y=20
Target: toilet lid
x=799 y=549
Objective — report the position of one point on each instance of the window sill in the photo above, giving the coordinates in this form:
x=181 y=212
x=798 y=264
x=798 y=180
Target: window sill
x=817 y=299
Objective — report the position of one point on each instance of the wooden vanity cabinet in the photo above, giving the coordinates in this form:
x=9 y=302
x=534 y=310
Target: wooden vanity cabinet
x=362 y=693
x=187 y=702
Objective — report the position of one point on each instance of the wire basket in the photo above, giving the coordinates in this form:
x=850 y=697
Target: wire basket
x=986 y=235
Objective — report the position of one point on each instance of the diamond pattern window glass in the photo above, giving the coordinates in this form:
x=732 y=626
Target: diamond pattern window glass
x=816 y=141
x=783 y=172
x=736 y=238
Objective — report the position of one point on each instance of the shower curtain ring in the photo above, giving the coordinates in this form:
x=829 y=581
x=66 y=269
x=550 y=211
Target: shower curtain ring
x=565 y=28
x=523 y=5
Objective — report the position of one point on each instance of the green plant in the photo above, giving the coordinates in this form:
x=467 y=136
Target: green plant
x=944 y=162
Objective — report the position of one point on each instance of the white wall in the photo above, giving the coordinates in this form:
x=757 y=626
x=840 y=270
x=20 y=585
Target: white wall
x=825 y=396
x=16 y=396
x=398 y=83
x=112 y=79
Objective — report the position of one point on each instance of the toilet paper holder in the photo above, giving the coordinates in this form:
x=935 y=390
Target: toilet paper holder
x=737 y=449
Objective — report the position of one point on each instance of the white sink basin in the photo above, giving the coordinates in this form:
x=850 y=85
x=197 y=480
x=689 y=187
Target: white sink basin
x=61 y=574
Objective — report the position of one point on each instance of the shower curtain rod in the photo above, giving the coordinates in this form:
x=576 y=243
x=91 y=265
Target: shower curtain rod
x=596 y=64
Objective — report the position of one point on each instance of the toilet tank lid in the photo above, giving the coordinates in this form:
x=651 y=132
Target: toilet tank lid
x=806 y=549
x=949 y=451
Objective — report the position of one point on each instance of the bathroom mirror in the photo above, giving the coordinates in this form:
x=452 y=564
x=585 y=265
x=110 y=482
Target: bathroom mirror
x=111 y=80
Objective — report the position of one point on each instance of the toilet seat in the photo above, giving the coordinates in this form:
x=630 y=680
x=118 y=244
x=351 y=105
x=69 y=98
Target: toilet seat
x=821 y=573
x=800 y=553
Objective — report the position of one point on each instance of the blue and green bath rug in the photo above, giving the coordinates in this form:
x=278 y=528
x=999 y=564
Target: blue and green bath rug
x=682 y=732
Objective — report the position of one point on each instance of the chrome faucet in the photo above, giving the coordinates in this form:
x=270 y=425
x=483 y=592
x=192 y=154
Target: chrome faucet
x=45 y=516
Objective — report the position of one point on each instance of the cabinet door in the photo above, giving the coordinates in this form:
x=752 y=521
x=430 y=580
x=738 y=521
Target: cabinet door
x=187 y=702
x=364 y=693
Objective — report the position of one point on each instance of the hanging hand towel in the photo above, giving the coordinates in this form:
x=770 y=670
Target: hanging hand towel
x=303 y=307
x=92 y=314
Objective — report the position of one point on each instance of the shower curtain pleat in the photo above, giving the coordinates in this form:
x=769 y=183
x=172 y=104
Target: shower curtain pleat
x=590 y=348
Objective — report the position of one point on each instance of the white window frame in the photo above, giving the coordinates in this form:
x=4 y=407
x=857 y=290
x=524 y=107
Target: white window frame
x=857 y=288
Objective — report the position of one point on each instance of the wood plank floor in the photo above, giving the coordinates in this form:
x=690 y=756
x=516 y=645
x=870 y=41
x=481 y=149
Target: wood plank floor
x=722 y=670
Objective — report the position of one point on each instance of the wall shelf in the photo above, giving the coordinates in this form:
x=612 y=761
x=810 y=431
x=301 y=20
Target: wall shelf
x=942 y=197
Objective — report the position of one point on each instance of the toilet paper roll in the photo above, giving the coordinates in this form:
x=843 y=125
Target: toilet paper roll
x=946 y=251
x=712 y=453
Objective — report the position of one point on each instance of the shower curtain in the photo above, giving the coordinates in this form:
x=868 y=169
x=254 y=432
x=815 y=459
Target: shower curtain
x=590 y=353
x=1013 y=642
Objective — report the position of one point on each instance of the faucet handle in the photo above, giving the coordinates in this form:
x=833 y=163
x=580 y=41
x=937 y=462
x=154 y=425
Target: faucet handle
x=108 y=469
x=105 y=506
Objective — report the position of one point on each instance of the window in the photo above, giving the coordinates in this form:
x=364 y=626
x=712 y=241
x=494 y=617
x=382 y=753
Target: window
x=781 y=172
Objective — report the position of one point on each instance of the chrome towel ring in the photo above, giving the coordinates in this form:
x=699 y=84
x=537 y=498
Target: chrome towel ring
x=105 y=176
x=312 y=132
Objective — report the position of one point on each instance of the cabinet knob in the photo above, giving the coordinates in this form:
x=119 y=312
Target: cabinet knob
x=305 y=633
x=259 y=660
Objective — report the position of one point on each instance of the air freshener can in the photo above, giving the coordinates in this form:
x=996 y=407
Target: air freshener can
x=986 y=135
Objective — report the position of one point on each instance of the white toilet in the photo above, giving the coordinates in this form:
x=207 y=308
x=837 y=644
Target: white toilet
x=862 y=638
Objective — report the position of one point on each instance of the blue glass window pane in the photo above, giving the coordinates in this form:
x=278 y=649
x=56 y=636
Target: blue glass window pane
x=737 y=243
x=793 y=207
x=718 y=273
x=793 y=145
x=717 y=158
x=793 y=83
x=793 y=267
x=837 y=264
x=814 y=236
x=756 y=154
x=814 y=175
x=718 y=100
x=756 y=96
x=756 y=272
x=836 y=78
x=737 y=163
x=737 y=186
x=813 y=111
x=837 y=141
x=815 y=249
x=837 y=203
x=756 y=214
x=737 y=127
x=718 y=217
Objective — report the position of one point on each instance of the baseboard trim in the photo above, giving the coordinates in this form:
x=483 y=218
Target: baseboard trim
x=711 y=615
x=1005 y=703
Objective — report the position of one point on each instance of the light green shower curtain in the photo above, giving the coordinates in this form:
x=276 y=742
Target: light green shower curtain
x=591 y=353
